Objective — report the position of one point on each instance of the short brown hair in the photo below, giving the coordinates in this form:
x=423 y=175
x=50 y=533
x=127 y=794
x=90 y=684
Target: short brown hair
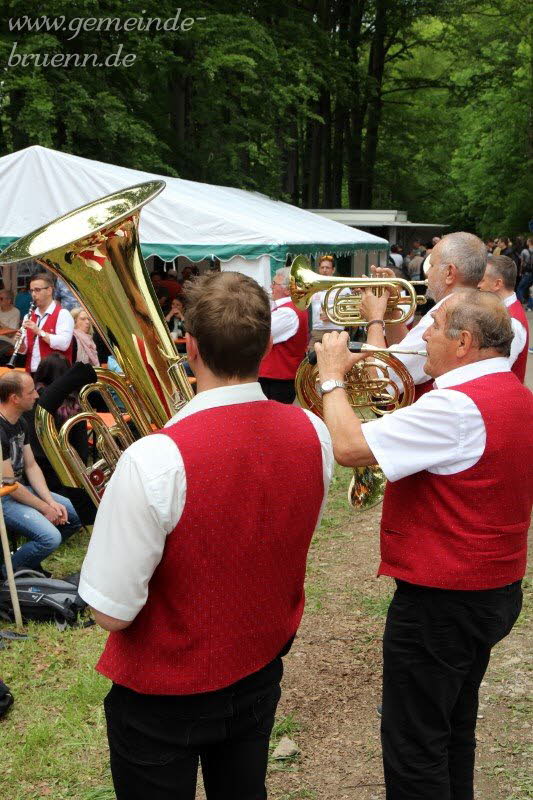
x=45 y=277
x=503 y=267
x=11 y=383
x=228 y=314
x=484 y=315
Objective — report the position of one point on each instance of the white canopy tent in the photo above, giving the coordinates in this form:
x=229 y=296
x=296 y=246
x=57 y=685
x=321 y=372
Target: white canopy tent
x=246 y=231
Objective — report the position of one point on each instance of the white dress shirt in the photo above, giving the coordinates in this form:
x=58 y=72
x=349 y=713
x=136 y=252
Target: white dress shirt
x=443 y=432
x=60 y=340
x=143 y=503
x=414 y=341
x=284 y=321
x=520 y=335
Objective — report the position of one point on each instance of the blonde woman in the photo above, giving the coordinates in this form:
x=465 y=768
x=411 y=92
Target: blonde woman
x=85 y=350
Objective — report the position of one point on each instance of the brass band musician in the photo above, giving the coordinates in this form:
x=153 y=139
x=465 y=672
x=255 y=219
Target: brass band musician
x=453 y=531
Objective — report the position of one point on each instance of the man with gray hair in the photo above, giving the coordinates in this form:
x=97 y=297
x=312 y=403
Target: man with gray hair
x=458 y=260
x=290 y=333
x=453 y=534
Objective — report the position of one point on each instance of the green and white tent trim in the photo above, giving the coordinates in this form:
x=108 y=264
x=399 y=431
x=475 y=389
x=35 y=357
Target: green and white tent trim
x=246 y=231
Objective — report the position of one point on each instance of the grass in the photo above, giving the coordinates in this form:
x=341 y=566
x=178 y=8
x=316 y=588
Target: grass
x=53 y=741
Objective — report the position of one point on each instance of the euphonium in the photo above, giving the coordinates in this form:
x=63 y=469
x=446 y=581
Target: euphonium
x=344 y=308
x=95 y=249
x=372 y=392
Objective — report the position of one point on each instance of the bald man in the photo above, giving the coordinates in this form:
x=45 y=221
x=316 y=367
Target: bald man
x=453 y=534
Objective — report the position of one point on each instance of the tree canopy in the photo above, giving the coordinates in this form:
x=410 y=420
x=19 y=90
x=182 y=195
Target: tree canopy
x=418 y=104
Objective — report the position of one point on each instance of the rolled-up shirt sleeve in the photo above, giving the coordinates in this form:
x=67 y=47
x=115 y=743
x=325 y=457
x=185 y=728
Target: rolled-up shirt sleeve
x=443 y=432
x=61 y=339
x=142 y=504
x=284 y=324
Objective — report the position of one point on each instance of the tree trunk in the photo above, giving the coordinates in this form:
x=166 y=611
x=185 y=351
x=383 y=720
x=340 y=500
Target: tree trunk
x=376 y=67
x=327 y=184
x=339 y=124
x=355 y=118
x=289 y=151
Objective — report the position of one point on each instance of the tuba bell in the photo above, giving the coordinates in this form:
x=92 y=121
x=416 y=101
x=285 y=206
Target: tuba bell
x=344 y=308
x=95 y=249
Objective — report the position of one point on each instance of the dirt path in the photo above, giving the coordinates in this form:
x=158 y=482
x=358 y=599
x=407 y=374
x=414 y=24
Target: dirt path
x=333 y=679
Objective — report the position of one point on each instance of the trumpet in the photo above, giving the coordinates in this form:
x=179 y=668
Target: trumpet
x=20 y=337
x=344 y=308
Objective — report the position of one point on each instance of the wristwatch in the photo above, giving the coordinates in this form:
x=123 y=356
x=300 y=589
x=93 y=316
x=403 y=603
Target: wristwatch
x=328 y=386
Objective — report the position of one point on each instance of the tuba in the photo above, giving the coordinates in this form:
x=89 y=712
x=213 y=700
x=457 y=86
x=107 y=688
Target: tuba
x=372 y=392
x=344 y=308
x=95 y=249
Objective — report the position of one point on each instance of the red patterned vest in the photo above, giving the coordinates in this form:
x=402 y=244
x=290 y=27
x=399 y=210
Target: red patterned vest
x=468 y=530
x=284 y=359
x=49 y=325
x=517 y=312
x=228 y=592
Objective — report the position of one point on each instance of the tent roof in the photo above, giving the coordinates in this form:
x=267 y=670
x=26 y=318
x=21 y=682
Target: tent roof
x=196 y=220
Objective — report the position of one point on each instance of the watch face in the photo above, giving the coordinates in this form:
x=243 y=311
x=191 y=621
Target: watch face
x=327 y=386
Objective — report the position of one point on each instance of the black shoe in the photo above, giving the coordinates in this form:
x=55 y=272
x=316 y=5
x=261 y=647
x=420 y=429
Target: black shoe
x=44 y=572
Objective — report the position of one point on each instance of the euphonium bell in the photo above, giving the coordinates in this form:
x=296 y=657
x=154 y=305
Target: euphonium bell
x=372 y=393
x=95 y=249
x=344 y=308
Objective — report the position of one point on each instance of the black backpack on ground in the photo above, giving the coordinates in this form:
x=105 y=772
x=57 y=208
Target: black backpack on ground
x=43 y=599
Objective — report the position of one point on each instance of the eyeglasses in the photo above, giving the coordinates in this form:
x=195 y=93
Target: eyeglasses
x=37 y=289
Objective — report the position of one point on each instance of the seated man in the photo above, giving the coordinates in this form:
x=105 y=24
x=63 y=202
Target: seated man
x=10 y=322
x=33 y=512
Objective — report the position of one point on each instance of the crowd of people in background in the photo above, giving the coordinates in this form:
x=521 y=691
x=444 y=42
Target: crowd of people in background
x=58 y=351
x=409 y=264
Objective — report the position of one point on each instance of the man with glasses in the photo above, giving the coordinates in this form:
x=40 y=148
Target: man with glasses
x=290 y=333
x=49 y=328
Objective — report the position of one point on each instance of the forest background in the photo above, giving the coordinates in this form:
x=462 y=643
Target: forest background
x=415 y=104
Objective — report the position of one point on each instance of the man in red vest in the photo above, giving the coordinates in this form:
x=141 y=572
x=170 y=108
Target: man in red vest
x=290 y=334
x=197 y=561
x=453 y=535
x=500 y=278
x=457 y=261
x=49 y=328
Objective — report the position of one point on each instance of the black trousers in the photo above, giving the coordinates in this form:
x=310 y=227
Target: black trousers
x=156 y=741
x=436 y=649
x=282 y=391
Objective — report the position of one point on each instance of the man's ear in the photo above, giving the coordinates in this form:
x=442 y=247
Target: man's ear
x=465 y=342
x=191 y=346
x=451 y=275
